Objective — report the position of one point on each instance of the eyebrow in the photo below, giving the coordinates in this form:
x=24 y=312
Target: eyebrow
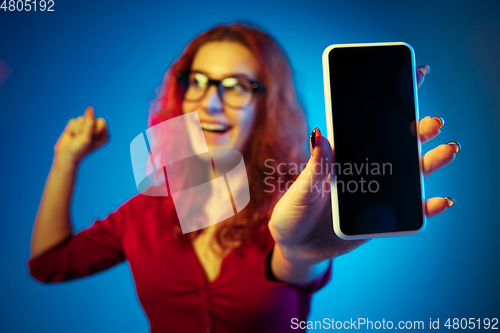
x=227 y=75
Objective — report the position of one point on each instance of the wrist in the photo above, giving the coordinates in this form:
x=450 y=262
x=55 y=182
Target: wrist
x=293 y=268
x=304 y=254
x=62 y=162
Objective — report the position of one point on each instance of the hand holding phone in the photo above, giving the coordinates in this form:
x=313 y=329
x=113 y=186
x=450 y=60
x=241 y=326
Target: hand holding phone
x=372 y=119
x=301 y=223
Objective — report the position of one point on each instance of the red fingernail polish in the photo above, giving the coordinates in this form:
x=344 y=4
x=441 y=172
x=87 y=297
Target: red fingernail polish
x=425 y=70
x=313 y=138
x=455 y=145
x=450 y=201
x=441 y=121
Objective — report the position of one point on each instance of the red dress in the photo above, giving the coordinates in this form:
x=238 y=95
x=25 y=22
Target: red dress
x=169 y=279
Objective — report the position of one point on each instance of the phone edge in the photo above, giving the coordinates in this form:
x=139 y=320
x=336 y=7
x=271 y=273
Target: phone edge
x=328 y=110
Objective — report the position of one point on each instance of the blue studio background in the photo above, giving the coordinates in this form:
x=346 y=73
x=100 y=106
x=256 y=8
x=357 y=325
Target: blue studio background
x=113 y=55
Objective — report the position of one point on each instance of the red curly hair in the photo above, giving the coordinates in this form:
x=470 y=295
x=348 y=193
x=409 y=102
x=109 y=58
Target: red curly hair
x=278 y=135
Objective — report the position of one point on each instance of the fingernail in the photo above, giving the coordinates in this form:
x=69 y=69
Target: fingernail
x=456 y=145
x=425 y=70
x=450 y=201
x=313 y=137
x=441 y=121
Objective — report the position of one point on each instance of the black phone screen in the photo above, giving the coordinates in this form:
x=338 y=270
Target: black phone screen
x=376 y=149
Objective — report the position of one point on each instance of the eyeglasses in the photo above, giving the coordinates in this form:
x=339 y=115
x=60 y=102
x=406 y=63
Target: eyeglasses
x=236 y=91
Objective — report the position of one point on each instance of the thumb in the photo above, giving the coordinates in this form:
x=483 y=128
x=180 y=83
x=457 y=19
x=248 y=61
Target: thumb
x=88 y=123
x=311 y=180
x=89 y=113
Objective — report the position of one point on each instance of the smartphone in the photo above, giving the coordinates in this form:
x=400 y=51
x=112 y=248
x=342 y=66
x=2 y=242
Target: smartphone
x=372 y=121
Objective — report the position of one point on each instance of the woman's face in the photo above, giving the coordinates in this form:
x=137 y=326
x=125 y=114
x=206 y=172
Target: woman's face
x=224 y=127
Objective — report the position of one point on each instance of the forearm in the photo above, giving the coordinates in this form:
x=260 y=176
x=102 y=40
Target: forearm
x=295 y=270
x=53 y=223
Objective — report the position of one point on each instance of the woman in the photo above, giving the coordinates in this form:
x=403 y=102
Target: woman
x=254 y=272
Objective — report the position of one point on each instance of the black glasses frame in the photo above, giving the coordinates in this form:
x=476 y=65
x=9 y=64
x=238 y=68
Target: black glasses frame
x=183 y=78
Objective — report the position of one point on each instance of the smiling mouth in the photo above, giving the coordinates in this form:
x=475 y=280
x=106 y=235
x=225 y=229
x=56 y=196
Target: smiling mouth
x=215 y=127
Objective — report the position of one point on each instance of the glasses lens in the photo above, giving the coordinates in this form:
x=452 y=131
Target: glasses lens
x=236 y=92
x=197 y=84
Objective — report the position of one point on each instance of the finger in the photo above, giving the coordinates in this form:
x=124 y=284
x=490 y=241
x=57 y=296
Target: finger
x=89 y=112
x=435 y=206
x=88 y=125
x=321 y=158
x=100 y=128
x=440 y=156
x=316 y=171
x=100 y=134
x=429 y=128
x=79 y=125
x=422 y=73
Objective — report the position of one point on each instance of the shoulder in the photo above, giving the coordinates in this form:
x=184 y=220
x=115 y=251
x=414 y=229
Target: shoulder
x=142 y=206
x=139 y=217
x=141 y=209
x=140 y=202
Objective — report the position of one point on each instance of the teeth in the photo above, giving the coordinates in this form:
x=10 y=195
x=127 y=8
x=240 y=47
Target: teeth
x=213 y=127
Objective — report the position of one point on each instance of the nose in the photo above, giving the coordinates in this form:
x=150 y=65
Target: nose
x=211 y=102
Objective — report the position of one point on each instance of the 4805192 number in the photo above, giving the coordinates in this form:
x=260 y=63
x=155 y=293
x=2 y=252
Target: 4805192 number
x=472 y=323
x=27 y=5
